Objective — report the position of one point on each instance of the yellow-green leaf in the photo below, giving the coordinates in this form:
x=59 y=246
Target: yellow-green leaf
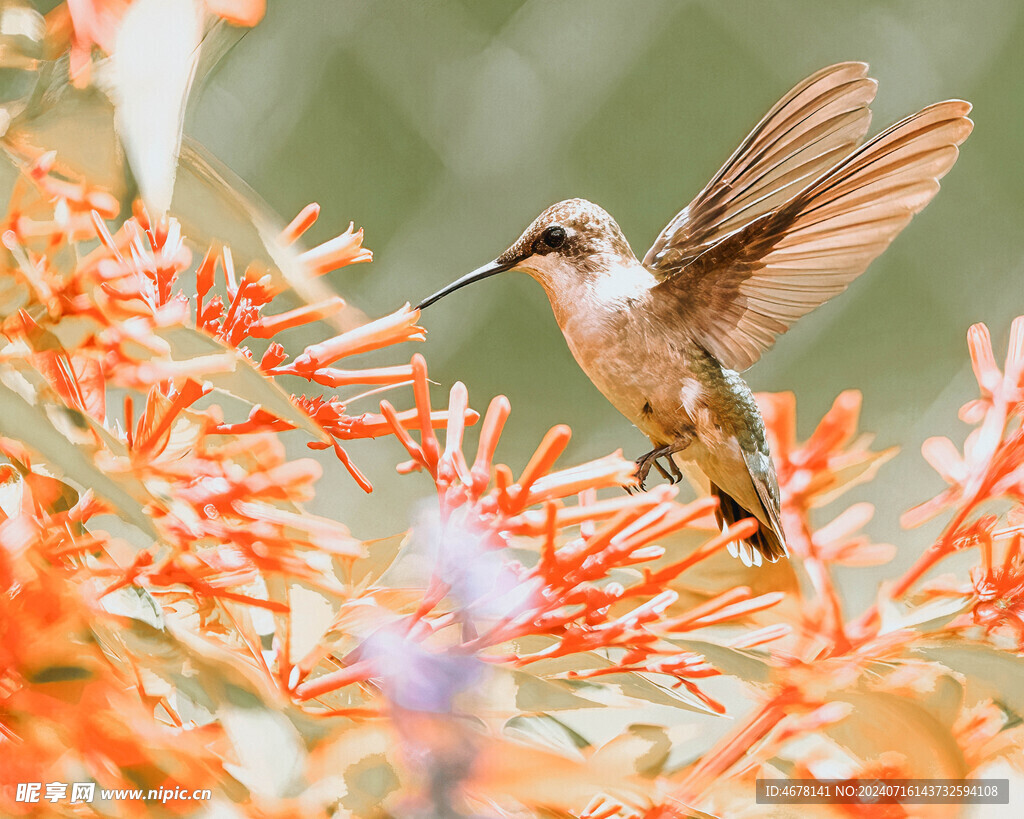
x=244 y=381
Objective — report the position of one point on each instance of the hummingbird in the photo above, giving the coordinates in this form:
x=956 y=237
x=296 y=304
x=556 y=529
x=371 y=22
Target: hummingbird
x=797 y=212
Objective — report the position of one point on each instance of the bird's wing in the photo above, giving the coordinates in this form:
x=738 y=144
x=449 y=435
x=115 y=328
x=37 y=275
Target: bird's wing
x=808 y=131
x=750 y=286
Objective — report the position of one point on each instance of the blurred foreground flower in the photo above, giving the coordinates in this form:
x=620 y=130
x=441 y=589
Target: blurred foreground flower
x=168 y=598
x=83 y=25
x=539 y=644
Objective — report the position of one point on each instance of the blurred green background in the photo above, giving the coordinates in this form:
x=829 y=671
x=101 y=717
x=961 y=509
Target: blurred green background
x=444 y=126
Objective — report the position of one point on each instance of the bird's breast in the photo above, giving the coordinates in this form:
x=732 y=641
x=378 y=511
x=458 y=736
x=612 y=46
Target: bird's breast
x=666 y=385
x=642 y=370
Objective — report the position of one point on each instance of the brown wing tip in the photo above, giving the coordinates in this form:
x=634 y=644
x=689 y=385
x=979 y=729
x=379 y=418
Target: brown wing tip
x=964 y=108
x=859 y=67
x=954 y=110
x=832 y=76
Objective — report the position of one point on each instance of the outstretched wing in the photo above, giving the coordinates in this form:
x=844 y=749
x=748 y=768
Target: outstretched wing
x=751 y=285
x=808 y=131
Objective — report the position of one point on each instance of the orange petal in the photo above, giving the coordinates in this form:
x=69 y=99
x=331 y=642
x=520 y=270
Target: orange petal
x=979 y=342
x=238 y=12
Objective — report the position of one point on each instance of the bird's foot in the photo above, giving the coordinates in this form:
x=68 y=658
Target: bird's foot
x=651 y=459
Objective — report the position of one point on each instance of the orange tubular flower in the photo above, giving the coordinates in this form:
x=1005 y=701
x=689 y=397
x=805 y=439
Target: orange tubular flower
x=437 y=660
x=566 y=593
x=303 y=221
x=343 y=250
x=991 y=462
x=991 y=468
x=392 y=329
x=270 y=326
x=1000 y=592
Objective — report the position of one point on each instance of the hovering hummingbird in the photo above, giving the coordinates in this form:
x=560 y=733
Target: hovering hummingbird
x=794 y=215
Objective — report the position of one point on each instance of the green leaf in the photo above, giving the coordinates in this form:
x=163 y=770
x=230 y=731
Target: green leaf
x=213 y=203
x=638 y=686
x=60 y=673
x=367 y=784
x=641 y=749
x=136 y=603
x=987 y=672
x=312 y=614
x=925 y=618
x=270 y=752
x=508 y=692
x=244 y=381
x=364 y=761
x=23 y=422
x=617 y=689
x=380 y=555
x=13 y=295
x=547 y=732
x=881 y=722
x=745 y=665
x=535 y=694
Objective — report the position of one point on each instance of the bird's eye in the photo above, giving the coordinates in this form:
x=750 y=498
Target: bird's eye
x=554 y=236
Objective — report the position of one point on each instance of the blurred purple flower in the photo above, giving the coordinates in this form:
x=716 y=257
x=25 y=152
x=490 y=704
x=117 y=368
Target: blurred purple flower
x=415 y=678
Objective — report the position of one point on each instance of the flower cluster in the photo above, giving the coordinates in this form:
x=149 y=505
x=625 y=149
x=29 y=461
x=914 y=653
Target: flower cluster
x=991 y=467
x=113 y=393
x=173 y=618
x=850 y=697
x=561 y=587
x=519 y=598
x=121 y=398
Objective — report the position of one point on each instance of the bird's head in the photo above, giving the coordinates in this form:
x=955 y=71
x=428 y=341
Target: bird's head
x=568 y=244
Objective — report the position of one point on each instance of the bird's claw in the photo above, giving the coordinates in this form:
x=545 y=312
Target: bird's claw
x=663 y=471
x=649 y=459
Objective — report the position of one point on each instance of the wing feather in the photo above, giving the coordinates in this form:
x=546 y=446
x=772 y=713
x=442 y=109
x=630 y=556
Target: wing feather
x=751 y=285
x=808 y=131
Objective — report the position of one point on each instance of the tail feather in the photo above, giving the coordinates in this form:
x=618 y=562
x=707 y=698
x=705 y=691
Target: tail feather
x=767 y=542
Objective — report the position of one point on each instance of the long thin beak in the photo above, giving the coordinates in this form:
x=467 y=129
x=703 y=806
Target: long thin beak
x=489 y=269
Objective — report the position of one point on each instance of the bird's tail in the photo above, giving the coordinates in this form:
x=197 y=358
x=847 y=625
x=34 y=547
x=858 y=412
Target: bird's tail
x=768 y=542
